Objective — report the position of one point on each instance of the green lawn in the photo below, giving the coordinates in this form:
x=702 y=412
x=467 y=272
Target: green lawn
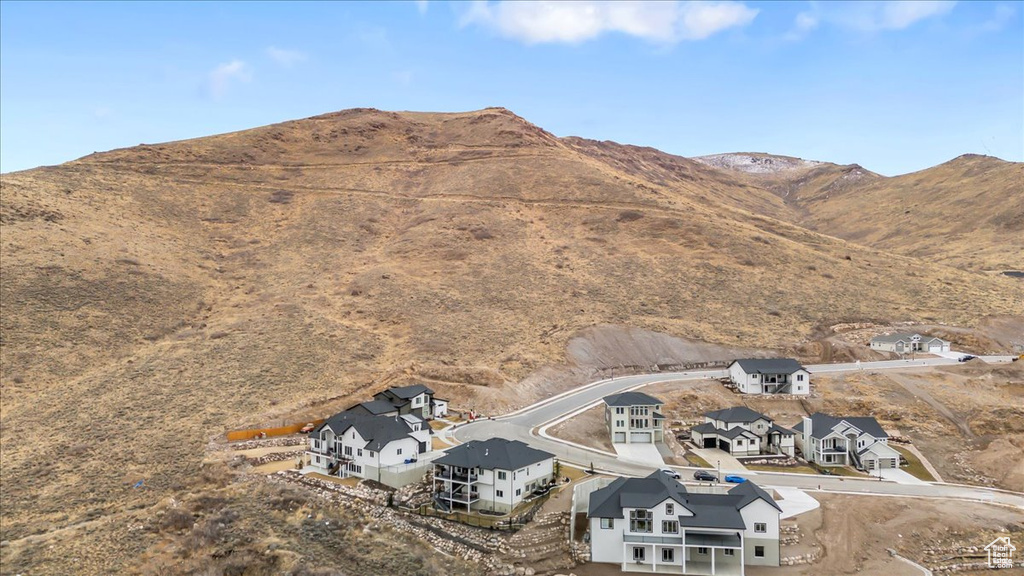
x=695 y=460
x=915 y=468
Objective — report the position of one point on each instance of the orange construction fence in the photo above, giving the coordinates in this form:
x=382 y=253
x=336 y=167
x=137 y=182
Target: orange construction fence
x=235 y=435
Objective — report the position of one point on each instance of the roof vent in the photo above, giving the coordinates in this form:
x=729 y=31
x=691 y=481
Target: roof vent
x=486 y=450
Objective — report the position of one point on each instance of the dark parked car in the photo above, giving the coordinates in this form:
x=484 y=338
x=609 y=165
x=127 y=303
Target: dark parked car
x=966 y=357
x=705 y=476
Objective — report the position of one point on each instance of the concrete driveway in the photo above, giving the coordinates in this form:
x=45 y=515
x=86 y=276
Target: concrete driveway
x=714 y=456
x=795 y=502
x=898 y=476
x=641 y=453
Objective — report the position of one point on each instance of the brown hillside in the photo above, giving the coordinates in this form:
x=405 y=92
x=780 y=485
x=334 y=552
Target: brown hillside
x=968 y=212
x=155 y=296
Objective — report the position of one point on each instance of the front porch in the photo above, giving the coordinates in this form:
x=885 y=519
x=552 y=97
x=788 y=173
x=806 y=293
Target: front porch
x=698 y=552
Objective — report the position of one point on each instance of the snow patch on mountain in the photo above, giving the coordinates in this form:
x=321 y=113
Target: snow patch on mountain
x=756 y=163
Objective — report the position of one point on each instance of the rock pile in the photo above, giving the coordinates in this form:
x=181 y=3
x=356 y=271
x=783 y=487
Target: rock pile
x=268 y=442
x=809 y=558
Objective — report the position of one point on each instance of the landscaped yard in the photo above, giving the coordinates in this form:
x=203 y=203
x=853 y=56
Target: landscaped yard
x=695 y=460
x=915 y=467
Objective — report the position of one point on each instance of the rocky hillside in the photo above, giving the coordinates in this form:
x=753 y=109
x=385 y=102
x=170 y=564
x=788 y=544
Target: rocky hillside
x=155 y=296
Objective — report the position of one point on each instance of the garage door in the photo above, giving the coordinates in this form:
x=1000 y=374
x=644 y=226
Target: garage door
x=935 y=348
x=886 y=462
x=724 y=445
x=641 y=437
x=620 y=437
x=709 y=442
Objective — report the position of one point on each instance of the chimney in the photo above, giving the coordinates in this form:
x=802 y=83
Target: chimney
x=807 y=437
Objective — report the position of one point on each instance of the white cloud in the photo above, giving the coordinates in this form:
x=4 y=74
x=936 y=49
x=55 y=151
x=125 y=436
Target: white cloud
x=286 y=58
x=221 y=77
x=802 y=25
x=879 y=16
x=422 y=6
x=575 y=22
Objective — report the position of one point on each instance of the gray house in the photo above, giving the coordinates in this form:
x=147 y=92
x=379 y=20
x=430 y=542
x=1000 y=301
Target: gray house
x=654 y=524
x=770 y=376
x=905 y=342
x=846 y=441
x=741 y=431
x=634 y=417
x=417 y=400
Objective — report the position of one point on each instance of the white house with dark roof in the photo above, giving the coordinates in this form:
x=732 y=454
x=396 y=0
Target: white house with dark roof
x=846 y=441
x=741 y=431
x=493 y=475
x=634 y=417
x=355 y=444
x=907 y=342
x=770 y=376
x=654 y=524
x=416 y=399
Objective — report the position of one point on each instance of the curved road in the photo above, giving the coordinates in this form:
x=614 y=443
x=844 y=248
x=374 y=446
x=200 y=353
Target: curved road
x=529 y=424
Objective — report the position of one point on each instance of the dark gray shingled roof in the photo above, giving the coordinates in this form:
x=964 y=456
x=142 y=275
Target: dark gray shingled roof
x=493 y=453
x=704 y=428
x=709 y=510
x=740 y=414
x=374 y=407
x=631 y=399
x=822 y=425
x=378 y=431
x=407 y=392
x=732 y=433
x=769 y=365
x=777 y=428
x=750 y=492
x=905 y=336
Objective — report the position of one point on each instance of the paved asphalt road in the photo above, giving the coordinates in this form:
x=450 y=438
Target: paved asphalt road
x=529 y=423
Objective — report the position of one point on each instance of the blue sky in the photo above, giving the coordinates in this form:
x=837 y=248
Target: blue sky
x=895 y=87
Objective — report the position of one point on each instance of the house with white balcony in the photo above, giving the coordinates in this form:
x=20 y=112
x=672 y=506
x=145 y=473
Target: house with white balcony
x=847 y=441
x=741 y=431
x=417 y=400
x=634 y=417
x=770 y=376
x=382 y=448
x=492 y=475
x=655 y=525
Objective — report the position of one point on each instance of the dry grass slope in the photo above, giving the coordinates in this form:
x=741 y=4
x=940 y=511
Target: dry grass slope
x=157 y=295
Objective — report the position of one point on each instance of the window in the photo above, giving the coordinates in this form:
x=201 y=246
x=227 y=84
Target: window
x=399 y=450
x=359 y=452
x=670 y=509
x=668 y=555
x=729 y=552
x=799 y=377
x=620 y=410
x=353 y=436
x=355 y=468
x=702 y=550
x=348 y=450
x=371 y=453
x=640 y=521
x=758 y=551
x=607 y=523
x=739 y=441
x=499 y=493
x=760 y=527
x=502 y=475
x=670 y=526
x=638 y=553
x=519 y=491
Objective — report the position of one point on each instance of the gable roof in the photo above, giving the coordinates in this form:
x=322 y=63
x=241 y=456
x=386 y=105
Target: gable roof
x=780 y=429
x=407 y=392
x=822 y=425
x=493 y=454
x=709 y=510
x=768 y=365
x=374 y=407
x=750 y=492
x=378 y=431
x=631 y=399
x=904 y=336
x=740 y=414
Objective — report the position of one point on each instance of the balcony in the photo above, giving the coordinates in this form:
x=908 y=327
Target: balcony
x=637 y=539
x=449 y=474
x=459 y=497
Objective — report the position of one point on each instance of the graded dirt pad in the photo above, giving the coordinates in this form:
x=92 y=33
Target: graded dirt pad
x=156 y=296
x=588 y=428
